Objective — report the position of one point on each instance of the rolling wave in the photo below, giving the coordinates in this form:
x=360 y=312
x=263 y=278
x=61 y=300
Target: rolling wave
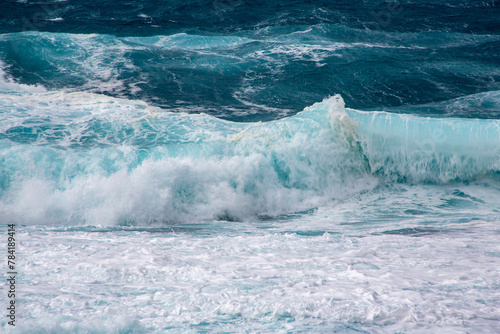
x=84 y=158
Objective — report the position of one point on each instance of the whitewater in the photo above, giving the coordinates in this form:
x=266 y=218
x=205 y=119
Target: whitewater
x=191 y=167
x=188 y=222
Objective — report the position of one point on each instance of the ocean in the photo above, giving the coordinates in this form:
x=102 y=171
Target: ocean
x=233 y=166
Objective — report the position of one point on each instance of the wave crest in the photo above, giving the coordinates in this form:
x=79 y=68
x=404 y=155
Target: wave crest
x=115 y=161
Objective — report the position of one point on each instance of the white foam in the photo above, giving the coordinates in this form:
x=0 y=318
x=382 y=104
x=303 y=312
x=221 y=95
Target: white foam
x=185 y=281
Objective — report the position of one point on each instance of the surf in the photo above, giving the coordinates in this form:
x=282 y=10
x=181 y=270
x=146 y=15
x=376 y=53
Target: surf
x=85 y=158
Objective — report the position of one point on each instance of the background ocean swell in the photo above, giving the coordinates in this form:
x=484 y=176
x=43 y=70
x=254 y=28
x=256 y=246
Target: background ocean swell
x=263 y=74
x=147 y=18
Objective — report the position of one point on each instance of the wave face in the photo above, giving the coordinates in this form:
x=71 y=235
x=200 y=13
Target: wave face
x=435 y=150
x=81 y=158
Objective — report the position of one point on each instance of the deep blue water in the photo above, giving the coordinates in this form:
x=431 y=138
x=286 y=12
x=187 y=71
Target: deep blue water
x=253 y=166
x=239 y=60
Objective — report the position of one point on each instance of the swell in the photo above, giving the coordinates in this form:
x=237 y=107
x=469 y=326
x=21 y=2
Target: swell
x=261 y=74
x=221 y=16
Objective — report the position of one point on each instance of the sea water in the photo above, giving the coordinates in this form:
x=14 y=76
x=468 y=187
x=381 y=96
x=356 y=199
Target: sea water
x=235 y=166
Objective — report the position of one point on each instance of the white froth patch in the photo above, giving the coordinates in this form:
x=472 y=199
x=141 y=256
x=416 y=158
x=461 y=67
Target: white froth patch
x=87 y=282
x=169 y=190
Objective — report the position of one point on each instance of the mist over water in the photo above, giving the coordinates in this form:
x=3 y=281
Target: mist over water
x=252 y=166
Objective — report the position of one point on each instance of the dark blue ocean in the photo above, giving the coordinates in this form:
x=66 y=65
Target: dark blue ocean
x=252 y=166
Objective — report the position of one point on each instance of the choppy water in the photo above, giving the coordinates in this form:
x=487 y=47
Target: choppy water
x=233 y=166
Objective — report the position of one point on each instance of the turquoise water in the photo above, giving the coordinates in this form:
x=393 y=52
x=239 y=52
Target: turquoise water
x=252 y=167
